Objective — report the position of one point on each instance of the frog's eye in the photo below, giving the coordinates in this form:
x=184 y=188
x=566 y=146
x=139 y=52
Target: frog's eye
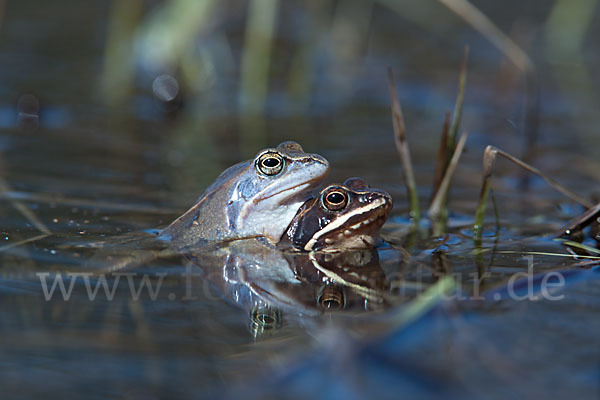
x=335 y=199
x=270 y=164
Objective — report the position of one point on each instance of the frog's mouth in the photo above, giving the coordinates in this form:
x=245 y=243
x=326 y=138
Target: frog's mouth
x=358 y=229
x=298 y=191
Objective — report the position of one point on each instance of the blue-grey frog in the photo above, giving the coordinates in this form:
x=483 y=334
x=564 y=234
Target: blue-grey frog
x=255 y=198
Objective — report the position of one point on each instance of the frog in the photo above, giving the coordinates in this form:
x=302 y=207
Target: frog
x=342 y=216
x=257 y=198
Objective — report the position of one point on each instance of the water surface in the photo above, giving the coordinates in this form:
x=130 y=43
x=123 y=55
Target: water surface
x=98 y=169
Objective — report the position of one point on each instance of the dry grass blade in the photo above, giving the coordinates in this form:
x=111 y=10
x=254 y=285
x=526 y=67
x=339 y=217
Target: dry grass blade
x=22 y=208
x=403 y=150
x=489 y=157
x=80 y=202
x=545 y=253
x=458 y=106
x=442 y=157
x=435 y=210
x=580 y=246
x=486 y=27
x=22 y=242
x=439 y=202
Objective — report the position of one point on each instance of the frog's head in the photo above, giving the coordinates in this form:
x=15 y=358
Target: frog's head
x=266 y=196
x=343 y=216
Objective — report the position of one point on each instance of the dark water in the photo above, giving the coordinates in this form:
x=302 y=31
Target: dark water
x=91 y=160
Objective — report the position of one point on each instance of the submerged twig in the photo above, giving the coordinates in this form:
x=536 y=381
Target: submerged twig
x=581 y=221
x=403 y=150
x=489 y=158
x=586 y=263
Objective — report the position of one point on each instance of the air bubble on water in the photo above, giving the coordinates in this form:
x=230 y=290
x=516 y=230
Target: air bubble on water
x=28 y=112
x=165 y=87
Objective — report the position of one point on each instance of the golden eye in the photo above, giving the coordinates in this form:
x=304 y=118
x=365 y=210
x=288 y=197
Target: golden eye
x=270 y=163
x=335 y=199
x=331 y=298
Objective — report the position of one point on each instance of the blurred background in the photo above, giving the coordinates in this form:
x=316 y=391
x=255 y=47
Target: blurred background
x=147 y=101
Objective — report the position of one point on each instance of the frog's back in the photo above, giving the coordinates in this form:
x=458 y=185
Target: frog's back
x=207 y=219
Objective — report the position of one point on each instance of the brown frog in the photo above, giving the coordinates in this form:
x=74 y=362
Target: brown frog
x=347 y=216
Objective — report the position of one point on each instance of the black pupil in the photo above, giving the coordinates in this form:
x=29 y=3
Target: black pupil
x=335 y=198
x=270 y=162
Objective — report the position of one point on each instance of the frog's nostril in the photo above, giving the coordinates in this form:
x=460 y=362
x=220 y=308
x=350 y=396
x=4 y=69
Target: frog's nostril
x=373 y=196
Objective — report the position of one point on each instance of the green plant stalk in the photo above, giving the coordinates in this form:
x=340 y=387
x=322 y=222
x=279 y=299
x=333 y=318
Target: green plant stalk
x=425 y=302
x=480 y=212
x=172 y=29
x=256 y=60
x=496 y=213
x=116 y=83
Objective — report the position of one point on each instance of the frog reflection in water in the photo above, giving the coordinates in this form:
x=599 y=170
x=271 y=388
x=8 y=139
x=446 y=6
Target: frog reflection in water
x=256 y=198
x=347 y=216
x=264 y=279
x=251 y=274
